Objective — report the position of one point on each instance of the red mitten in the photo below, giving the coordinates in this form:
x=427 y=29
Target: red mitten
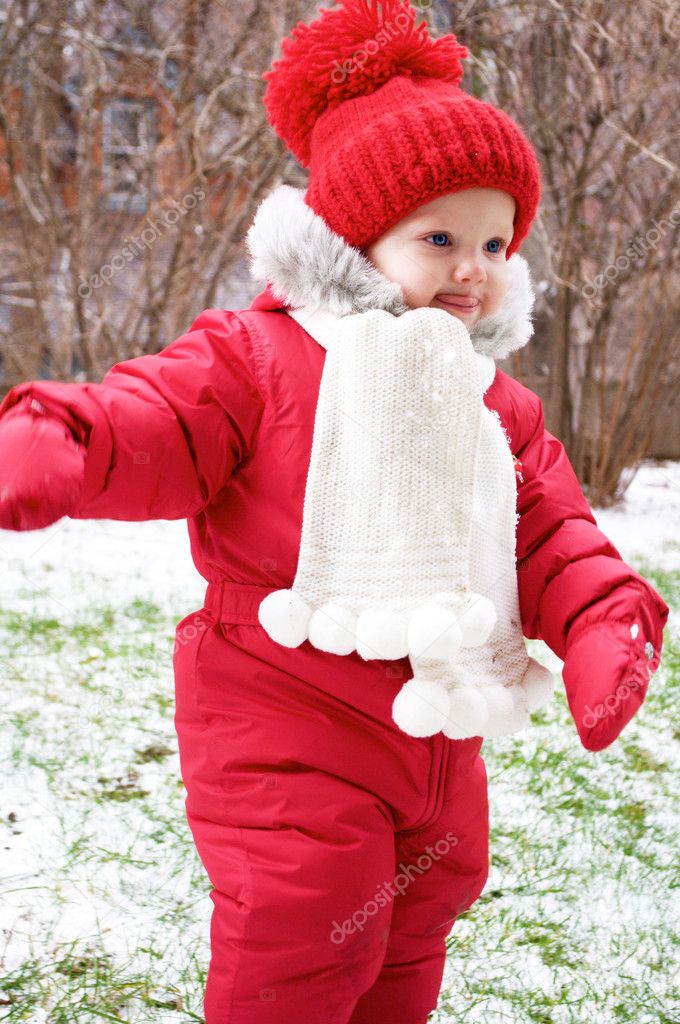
x=613 y=648
x=42 y=468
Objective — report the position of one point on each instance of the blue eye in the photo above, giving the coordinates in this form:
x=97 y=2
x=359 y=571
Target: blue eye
x=441 y=240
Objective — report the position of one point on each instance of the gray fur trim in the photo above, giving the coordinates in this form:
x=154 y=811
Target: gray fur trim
x=511 y=327
x=308 y=264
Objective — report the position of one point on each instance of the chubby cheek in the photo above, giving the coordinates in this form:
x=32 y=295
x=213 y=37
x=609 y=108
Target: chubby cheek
x=394 y=263
x=413 y=296
x=495 y=293
x=419 y=286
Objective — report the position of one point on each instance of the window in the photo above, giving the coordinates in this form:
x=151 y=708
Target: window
x=127 y=142
x=170 y=74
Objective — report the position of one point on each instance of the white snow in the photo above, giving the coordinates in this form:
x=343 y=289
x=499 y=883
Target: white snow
x=646 y=524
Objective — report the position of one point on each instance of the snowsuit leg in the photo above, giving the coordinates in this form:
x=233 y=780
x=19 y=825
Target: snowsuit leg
x=296 y=797
x=441 y=871
x=277 y=892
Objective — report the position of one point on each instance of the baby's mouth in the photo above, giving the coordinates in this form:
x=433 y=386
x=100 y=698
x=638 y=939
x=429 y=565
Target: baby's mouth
x=464 y=304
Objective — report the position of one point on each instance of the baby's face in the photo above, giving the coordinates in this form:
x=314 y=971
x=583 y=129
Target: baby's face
x=450 y=253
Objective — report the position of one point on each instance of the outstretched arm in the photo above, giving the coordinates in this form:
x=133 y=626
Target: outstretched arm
x=158 y=438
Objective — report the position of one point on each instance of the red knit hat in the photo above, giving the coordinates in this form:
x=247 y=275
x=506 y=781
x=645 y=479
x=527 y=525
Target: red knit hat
x=372 y=106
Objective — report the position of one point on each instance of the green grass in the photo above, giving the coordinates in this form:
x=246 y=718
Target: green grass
x=89 y=733
x=88 y=984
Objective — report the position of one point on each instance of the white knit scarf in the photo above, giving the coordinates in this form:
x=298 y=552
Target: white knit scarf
x=408 y=531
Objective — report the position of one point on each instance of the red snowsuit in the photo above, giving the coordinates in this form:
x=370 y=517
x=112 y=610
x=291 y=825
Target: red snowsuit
x=341 y=850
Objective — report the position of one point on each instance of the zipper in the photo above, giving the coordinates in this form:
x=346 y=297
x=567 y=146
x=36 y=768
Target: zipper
x=436 y=784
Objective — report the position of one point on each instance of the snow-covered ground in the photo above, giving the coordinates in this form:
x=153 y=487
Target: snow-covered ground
x=646 y=525
x=104 y=906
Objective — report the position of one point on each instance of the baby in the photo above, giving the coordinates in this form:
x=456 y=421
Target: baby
x=381 y=519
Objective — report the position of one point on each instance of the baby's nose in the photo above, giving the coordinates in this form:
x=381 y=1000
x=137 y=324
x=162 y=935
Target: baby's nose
x=469 y=270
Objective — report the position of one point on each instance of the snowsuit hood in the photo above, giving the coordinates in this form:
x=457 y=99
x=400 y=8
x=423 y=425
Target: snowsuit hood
x=305 y=263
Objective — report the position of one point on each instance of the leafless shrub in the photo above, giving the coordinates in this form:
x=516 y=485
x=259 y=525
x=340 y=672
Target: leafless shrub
x=133 y=150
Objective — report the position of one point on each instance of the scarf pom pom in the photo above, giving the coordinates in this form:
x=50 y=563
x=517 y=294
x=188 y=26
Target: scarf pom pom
x=382 y=634
x=285 y=617
x=433 y=632
x=332 y=628
x=468 y=715
x=508 y=709
x=477 y=620
x=421 y=708
x=539 y=685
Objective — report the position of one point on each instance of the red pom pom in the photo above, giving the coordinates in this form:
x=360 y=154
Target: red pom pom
x=350 y=50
